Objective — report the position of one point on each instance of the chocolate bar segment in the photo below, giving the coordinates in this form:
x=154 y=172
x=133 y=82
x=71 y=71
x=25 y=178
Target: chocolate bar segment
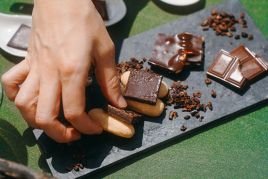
x=169 y=51
x=20 y=39
x=252 y=66
x=123 y=114
x=227 y=69
x=143 y=86
x=101 y=8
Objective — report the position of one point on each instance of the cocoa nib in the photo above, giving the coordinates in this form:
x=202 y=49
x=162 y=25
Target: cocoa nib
x=213 y=94
x=187 y=117
x=171 y=114
x=183 y=128
x=197 y=115
x=242 y=15
x=206 y=28
x=244 y=34
x=232 y=28
x=237 y=36
x=250 y=37
x=207 y=81
x=209 y=105
x=198 y=94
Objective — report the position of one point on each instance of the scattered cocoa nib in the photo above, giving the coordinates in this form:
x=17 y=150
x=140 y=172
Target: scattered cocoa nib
x=183 y=128
x=187 y=117
x=76 y=168
x=81 y=166
x=68 y=168
x=231 y=42
x=244 y=34
x=213 y=94
x=237 y=36
x=205 y=23
x=214 y=12
x=197 y=115
x=232 y=28
x=198 y=94
x=200 y=119
x=144 y=59
x=244 y=26
x=193 y=112
x=209 y=105
x=175 y=115
x=207 y=81
x=244 y=22
x=242 y=15
x=171 y=114
x=250 y=37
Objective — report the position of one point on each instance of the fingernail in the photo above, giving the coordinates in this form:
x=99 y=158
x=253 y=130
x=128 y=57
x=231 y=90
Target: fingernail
x=122 y=102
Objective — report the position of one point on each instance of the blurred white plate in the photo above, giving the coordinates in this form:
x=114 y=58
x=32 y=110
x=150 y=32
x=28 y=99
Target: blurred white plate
x=9 y=24
x=116 y=11
x=180 y=2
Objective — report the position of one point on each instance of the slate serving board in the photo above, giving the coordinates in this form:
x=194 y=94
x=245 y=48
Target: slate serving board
x=106 y=149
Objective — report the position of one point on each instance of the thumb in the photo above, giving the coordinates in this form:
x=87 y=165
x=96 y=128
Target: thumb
x=106 y=75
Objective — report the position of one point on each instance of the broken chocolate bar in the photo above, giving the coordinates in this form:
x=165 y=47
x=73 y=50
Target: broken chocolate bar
x=143 y=86
x=124 y=115
x=226 y=68
x=169 y=51
x=20 y=39
x=252 y=66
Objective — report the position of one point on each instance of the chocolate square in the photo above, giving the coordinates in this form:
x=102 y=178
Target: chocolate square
x=20 y=39
x=124 y=115
x=143 y=86
x=101 y=8
x=168 y=50
x=227 y=69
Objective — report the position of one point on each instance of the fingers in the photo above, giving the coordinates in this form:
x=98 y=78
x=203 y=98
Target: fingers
x=107 y=76
x=73 y=98
x=27 y=97
x=48 y=110
x=14 y=77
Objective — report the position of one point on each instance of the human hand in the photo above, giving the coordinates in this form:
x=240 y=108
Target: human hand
x=66 y=36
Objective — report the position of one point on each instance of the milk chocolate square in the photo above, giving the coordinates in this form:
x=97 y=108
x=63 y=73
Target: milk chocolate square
x=20 y=39
x=227 y=69
x=143 y=86
x=124 y=115
x=168 y=50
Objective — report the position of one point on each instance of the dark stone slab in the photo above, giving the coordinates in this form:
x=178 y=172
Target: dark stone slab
x=106 y=149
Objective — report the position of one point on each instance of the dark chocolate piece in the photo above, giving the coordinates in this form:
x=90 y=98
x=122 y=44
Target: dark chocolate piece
x=124 y=115
x=20 y=39
x=252 y=66
x=101 y=8
x=227 y=69
x=169 y=51
x=143 y=86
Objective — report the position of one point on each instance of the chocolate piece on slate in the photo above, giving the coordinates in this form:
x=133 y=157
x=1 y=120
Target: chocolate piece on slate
x=252 y=66
x=143 y=86
x=227 y=68
x=20 y=39
x=101 y=8
x=124 y=115
x=169 y=51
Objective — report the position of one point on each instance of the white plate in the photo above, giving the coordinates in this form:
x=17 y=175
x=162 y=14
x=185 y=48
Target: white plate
x=180 y=2
x=9 y=24
x=116 y=11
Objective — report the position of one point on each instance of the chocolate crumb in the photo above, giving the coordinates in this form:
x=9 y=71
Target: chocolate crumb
x=81 y=166
x=144 y=59
x=207 y=81
x=213 y=94
x=250 y=37
x=187 y=117
x=197 y=115
x=242 y=15
x=76 y=168
x=231 y=42
x=237 y=36
x=198 y=94
x=244 y=34
x=183 y=128
x=232 y=28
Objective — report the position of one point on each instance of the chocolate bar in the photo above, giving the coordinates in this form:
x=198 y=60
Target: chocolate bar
x=169 y=51
x=252 y=66
x=20 y=39
x=101 y=8
x=143 y=86
x=124 y=115
x=226 y=68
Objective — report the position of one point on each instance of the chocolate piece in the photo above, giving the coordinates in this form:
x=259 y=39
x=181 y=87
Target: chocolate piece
x=252 y=66
x=124 y=115
x=20 y=39
x=169 y=51
x=143 y=86
x=227 y=69
x=101 y=8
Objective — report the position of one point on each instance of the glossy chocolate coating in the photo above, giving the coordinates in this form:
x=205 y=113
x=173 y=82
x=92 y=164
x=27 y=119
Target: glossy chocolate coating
x=143 y=86
x=101 y=8
x=252 y=66
x=124 y=115
x=227 y=69
x=168 y=50
x=20 y=39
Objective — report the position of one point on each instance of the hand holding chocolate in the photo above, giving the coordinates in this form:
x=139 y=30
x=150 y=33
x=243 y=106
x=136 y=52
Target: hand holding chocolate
x=173 y=53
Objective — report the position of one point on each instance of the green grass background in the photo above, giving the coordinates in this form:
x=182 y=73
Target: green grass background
x=237 y=148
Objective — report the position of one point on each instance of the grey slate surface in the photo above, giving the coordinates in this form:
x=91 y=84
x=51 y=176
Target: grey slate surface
x=107 y=149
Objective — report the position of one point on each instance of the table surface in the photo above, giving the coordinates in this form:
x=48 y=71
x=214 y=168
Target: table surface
x=234 y=148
